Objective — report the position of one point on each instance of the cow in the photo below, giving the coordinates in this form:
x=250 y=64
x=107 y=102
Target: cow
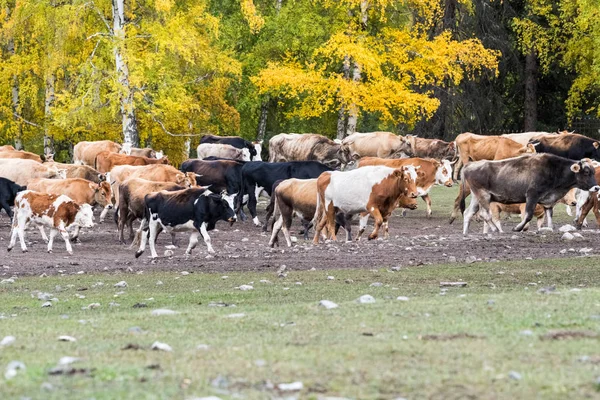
x=587 y=202
x=306 y=147
x=22 y=171
x=431 y=148
x=79 y=171
x=255 y=148
x=371 y=190
x=430 y=172
x=7 y=147
x=539 y=178
x=196 y=210
x=297 y=196
x=85 y=152
x=375 y=144
x=220 y=150
x=24 y=155
x=524 y=138
x=8 y=192
x=58 y=212
x=259 y=176
x=572 y=146
x=106 y=161
x=131 y=201
x=145 y=152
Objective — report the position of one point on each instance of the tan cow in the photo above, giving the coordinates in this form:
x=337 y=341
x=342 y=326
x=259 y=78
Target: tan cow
x=431 y=148
x=58 y=212
x=429 y=172
x=220 y=150
x=22 y=171
x=371 y=190
x=524 y=138
x=24 y=155
x=131 y=201
x=86 y=152
x=80 y=171
x=145 y=152
x=305 y=147
x=375 y=144
x=7 y=147
x=106 y=161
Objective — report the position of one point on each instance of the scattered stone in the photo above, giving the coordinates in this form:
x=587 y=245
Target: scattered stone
x=65 y=338
x=202 y=347
x=237 y=315
x=452 y=259
x=330 y=278
x=163 y=311
x=265 y=281
x=526 y=332
x=113 y=304
x=158 y=283
x=184 y=273
x=563 y=251
x=562 y=335
x=376 y=284
x=402 y=298
x=43 y=296
x=547 y=289
x=328 y=304
x=567 y=236
x=67 y=360
x=47 y=386
x=140 y=305
x=93 y=305
x=365 y=299
x=586 y=250
x=515 y=375
x=453 y=284
x=245 y=288
x=290 y=387
x=13 y=368
x=567 y=228
x=161 y=346
x=470 y=260
x=349 y=281
x=47 y=304
x=7 y=341
x=7 y=281
x=491 y=302
x=578 y=235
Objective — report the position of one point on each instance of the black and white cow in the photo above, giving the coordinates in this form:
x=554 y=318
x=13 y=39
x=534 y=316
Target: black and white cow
x=8 y=192
x=196 y=210
x=260 y=176
x=534 y=179
x=255 y=148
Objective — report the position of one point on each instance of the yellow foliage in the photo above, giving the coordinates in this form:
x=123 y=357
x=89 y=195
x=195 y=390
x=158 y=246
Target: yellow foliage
x=255 y=21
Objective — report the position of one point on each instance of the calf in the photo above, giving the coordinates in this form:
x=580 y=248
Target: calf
x=106 y=161
x=58 y=212
x=224 y=151
x=306 y=147
x=375 y=144
x=572 y=146
x=258 y=176
x=430 y=172
x=196 y=210
x=372 y=190
x=431 y=148
x=539 y=178
x=297 y=196
x=587 y=202
x=254 y=148
x=8 y=192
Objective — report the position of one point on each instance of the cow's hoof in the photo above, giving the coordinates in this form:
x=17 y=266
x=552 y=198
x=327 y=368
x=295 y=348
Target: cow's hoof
x=49 y=251
x=138 y=254
x=70 y=253
x=9 y=249
x=404 y=213
x=451 y=220
x=24 y=251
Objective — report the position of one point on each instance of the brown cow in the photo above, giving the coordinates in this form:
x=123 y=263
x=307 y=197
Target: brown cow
x=588 y=202
x=429 y=172
x=106 y=160
x=58 y=212
x=80 y=171
x=375 y=144
x=431 y=148
x=131 y=201
x=7 y=147
x=305 y=147
x=22 y=171
x=25 y=155
x=86 y=152
x=371 y=190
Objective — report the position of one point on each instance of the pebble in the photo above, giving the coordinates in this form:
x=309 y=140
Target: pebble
x=515 y=375
x=161 y=346
x=578 y=235
x=330 y=278
x=526 y=332
x=452 y=259
x=158 y=283
x=184 y=273
x=13 y=368
x=93 y=305
x=328 y=304
x=290 y=387
x=202 y=347
x=567 y=236
x=47 y=304
x=586 y=250
x=168 y=253
x=65 y=338
x=470 y=259
x=402 y=298
x=366 y=299
x=349 y=281
x=163 y=311
x=237 y=315
x=7 y=341
x=67 y=360
x=245 y=288
x=567 y=228
x=7 y=281
x=376 y=284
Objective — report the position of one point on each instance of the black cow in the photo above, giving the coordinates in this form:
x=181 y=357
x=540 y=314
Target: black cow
x=8 y=191
x=234 y=141
x=196 y=210
x=258 y=176
x=572 y=146
x=536 y=179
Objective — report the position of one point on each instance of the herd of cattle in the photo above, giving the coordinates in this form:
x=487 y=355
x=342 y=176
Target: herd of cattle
x=323 y=182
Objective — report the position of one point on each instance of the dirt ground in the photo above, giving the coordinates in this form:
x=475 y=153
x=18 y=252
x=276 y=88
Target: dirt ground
x=414 y=240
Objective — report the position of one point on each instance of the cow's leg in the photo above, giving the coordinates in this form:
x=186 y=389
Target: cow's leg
x=463 y=192
x=206 y=238
x=584 y=209
x=153 y=234
x=103 y=213
x=6 y=207
x=377 y=223
x=18 y=229
x=252 y=201
x=43 y=233
x=143 y=231
x=53 y=233
x=321 y=221
x=65 y=236
x=568 y=210
x=362 y=224
x=540 y=221
x=469 y=212
x=193 y=242
x=75 y=234
x=306 y=226
x=595 y=207
x=386 y=228
x=275 y=231
x=330 y=215
x=287 y=224
x=174 y=239
x=348 y=226
x=529 y=210
x=548 y=211
x=427 y=201
x=270 y=210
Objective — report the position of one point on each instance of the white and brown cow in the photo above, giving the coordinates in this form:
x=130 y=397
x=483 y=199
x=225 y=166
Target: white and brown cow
x=375 y=144
x=56 y=212
x=372 y=190
x=305 y=147
x=86 y=152
x=22 y=171
x=220 y=150
x=429 y=172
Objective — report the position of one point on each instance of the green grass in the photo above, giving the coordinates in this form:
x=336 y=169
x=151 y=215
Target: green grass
x=362 y=351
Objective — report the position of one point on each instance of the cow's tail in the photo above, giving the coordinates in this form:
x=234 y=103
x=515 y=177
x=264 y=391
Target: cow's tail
x=463 y=193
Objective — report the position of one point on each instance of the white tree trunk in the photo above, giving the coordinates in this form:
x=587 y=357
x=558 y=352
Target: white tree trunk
x=342 y=120
x=187 y=147
x=278 y=5
x=130 y=131
x=262 y=121
x=353 y=109
x=49 y=102
x=15 y=102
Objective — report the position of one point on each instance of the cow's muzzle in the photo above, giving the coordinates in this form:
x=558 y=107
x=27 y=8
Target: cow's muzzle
x=412 y=206
x=595 y=189
x=449 y=184
x=413 y=195
x=232 y=220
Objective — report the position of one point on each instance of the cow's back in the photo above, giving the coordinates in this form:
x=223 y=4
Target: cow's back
x=86 y=152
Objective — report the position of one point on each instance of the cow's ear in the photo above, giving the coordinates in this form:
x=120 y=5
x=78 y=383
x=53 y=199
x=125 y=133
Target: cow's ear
x=596 y=144
x=576 y=167
x=452 y=145
x=94 y=186
x=531 y=147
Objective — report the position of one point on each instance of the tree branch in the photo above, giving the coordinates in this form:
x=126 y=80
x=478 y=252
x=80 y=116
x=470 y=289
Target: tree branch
x=27 y=122
x=174 y=134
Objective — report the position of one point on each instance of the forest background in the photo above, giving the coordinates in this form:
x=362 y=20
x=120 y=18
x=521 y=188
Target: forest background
x=162 y=73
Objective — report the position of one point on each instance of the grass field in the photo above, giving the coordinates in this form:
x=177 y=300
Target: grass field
x=383 y=350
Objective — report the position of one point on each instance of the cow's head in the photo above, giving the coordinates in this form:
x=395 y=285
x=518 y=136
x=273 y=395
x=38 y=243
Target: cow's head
x=585 y=175
x=246 y=156
x=220 y=206
x=443 y=173
x=407 y=180
x=102 y=194
x=258 y=148
x=159 y=154
x=164 y=160
x=85 y=216
x=188 y=180
x=403 y=149
x=570 y=198
x=102 y=177
x=126 y=148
